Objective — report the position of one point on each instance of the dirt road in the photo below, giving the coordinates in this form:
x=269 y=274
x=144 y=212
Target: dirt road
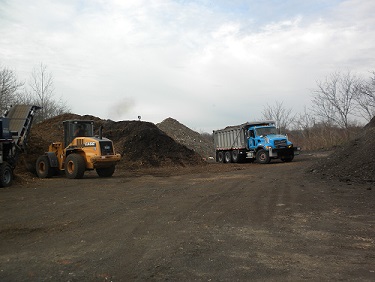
x=215 y=223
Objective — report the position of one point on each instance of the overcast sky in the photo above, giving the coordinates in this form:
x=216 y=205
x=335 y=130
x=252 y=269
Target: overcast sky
x=207 y=64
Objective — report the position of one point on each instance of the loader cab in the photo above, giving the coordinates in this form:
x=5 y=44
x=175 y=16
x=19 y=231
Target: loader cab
x=77 y=128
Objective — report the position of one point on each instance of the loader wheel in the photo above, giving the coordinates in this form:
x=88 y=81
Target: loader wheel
x=6 y=175
x=43 y=167
x=75 y=166
x=263 y=157
x=106 y=171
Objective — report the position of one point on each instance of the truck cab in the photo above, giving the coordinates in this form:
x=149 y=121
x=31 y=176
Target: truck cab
x=256 y=135
x=265 y=143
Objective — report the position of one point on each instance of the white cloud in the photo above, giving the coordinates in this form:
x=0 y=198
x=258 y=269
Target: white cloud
x=205 y=66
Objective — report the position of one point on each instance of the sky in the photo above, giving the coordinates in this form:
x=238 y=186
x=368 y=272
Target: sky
x=207 y=64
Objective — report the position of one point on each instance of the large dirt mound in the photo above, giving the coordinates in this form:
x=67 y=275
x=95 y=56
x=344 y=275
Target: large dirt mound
x=142 y=144
x=201 y=144
x=353 y=162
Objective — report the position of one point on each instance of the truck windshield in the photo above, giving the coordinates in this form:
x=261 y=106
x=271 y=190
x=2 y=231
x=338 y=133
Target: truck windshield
x=266 y=130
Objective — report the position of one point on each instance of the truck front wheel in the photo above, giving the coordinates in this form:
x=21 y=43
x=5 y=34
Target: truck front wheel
x=263 y=157
x=6 y=175
x=75 y=166
x=287 y=159
x=105 y=171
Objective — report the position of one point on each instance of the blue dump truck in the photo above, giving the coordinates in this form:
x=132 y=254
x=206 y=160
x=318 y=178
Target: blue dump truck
x=253 y=141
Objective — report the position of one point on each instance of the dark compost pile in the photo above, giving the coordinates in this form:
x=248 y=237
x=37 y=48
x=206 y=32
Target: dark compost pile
x=354 y=161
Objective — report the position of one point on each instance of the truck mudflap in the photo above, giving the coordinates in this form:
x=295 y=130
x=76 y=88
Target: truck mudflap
x=105 y=161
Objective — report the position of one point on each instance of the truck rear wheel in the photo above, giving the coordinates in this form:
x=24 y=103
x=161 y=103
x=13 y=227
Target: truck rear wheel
x=6 y=175
x=43 y=167
x=227 y=157
x=220 y=157
x=75 y=166
x=105 y=171
x=263 y=157
x=236 y=157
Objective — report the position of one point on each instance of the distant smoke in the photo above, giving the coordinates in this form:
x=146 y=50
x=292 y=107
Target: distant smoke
x=121 y=108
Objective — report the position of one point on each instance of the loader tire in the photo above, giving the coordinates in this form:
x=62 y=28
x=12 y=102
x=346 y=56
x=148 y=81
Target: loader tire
x=75 y=166
x=6 y=175
x=263 y=157
x=43 y=167
x=105 y=171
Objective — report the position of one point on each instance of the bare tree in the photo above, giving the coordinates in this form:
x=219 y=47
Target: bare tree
x=334 y=100
x=366 y=98
x=281 y=115
x=41 y=87
x=41 y=92
x=9 y=87
x=304 y=120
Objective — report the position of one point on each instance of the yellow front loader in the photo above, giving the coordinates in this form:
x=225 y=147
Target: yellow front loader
x=80 y=151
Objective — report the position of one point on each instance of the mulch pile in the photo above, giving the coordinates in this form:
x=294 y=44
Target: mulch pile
x=354 y=162
x=201 y=144
x=142 y=144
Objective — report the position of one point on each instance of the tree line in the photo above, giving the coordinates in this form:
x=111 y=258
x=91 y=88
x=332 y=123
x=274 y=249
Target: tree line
x=38 y=90
x=336 y=105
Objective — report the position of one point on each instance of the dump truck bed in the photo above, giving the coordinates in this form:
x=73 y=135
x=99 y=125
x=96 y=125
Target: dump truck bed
x=231 y=137
x=234 y=137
